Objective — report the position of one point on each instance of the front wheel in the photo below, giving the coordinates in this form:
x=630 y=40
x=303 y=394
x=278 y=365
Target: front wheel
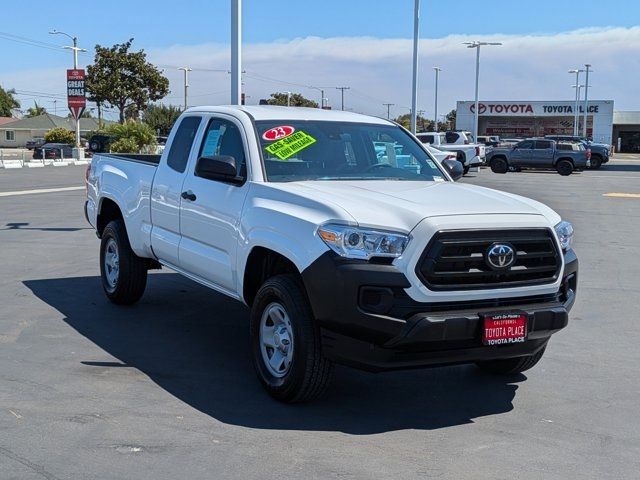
x=511 y=366
x=285 y=342
x=596 y=162
x=123 y=273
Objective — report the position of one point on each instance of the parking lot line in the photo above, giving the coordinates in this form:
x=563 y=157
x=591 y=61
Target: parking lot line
x=41 y=190
x=621 y=195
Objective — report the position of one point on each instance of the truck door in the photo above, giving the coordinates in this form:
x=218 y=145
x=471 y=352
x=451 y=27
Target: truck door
x=542 y=155
x=210 y=213
x=521 y=153
x=166 y=190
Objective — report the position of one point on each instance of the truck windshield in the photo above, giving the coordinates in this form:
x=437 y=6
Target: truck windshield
x=323 y=150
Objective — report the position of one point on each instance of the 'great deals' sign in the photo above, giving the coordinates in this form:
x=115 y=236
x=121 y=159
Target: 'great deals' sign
x=76 y=99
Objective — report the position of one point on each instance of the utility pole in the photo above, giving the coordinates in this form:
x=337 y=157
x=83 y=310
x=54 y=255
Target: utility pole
x=435 y=113
x=55 y=107
x=288 y=98
x=186 y=71
x=75 y=50
x=576 y=114
x=414 y=82
x=388 y=105
x=586 y=99
x=477 y=45
x=236 y=51
x=342 y=89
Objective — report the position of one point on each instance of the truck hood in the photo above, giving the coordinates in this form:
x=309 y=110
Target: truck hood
x=401 y=205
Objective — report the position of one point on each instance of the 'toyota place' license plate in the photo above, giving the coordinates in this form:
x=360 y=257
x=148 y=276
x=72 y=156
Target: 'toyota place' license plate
x=504 y=328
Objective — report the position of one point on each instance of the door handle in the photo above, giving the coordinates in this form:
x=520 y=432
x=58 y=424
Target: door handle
x=189 y=195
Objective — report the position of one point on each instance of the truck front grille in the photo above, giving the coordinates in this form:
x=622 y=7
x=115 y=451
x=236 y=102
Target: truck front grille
x=457 y=259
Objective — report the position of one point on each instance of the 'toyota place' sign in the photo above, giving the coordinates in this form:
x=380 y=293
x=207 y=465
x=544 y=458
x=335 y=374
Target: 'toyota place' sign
x=504 y=108
x=76 y=99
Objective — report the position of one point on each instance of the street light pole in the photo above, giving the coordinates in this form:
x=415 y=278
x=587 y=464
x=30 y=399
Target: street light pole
x=586 y=99
x=477 y=45
x=576 y=115
x=75 y=50
x=236 y=51
x=186 y=84
x=435 y=108
x=414 y=86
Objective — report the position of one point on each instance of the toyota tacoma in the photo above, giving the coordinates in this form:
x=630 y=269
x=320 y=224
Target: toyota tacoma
x=349 y=243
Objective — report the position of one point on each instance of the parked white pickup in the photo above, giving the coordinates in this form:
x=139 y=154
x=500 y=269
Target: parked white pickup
x=469 y=154
x=343 y=235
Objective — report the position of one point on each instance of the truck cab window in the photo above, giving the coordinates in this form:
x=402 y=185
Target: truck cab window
x=223 y=138
x=181 y=146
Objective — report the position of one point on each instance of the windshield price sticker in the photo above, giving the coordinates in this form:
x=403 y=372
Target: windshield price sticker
x=276 y=133
x=290 y=145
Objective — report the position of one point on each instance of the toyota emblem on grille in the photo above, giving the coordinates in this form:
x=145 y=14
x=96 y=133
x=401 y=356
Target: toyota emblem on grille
x=501 y=256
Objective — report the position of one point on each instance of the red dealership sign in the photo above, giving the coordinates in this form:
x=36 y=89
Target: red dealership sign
x=76 y=99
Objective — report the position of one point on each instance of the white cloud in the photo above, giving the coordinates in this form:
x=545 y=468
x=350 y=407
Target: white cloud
x=379 y=70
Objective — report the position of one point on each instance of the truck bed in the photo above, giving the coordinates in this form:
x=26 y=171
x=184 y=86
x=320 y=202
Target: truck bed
x=147 y=159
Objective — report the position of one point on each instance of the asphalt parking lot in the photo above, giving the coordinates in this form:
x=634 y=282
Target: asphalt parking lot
x=165 y=389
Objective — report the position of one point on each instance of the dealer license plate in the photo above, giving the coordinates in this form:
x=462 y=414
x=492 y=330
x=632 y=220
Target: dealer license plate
x=504 y=328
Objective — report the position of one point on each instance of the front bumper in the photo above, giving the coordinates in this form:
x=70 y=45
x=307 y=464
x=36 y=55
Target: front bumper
x=367 y=320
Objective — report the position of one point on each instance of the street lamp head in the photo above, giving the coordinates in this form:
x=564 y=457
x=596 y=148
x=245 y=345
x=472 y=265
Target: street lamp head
x=437 y=69
x=477 y=44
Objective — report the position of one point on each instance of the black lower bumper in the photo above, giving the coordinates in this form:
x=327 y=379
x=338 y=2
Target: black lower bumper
x=369 y=322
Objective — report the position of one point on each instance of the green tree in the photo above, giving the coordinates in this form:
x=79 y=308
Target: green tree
x=451 y=120
x=35 y=110
x=422 y=124
x=124 y=79
x=7 y=102
x=296 y=100
x=161 y=117
x=60 y=135
x=132 y=137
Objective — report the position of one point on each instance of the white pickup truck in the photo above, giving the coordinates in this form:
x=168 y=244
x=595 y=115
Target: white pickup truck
x=347 y=241
x=468 y=154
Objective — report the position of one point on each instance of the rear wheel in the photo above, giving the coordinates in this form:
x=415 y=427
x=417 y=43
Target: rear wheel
x=123 y=273
x=285 y=342
x=499 y=165
x=564 y=167
x=511 y=366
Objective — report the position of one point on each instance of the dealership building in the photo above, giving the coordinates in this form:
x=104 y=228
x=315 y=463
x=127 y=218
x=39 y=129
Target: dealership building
x=540 y=118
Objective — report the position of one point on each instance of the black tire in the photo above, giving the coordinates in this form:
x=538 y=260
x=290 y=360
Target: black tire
x=511 y=366
x=465 y=170
x=499 y=165
x=564 y=167
x=596 y=162
x=95 y=146
x=131 y=274
x=309 y=373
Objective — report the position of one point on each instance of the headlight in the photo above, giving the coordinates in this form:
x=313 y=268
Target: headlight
x=354 y=242
x=565 y=234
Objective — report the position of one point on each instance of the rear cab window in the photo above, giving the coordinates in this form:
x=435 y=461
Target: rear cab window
x=178 y=155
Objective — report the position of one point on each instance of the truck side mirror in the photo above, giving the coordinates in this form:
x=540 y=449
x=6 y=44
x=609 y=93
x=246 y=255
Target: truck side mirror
x=217 y=167
x=453 y=168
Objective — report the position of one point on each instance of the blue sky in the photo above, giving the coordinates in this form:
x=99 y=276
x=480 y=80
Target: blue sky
x=282 y=31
